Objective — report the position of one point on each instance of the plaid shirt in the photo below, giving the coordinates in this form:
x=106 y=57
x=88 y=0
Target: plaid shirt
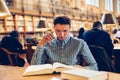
x=67 y=52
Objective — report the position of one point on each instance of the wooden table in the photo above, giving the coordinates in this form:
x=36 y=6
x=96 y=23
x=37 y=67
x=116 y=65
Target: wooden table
x=15 y=73
x=113 y=76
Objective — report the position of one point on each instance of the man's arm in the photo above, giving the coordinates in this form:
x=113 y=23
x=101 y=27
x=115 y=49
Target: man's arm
x=39 y=56
x=87 y=55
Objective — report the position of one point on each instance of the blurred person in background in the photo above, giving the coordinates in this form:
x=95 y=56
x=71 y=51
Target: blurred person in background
x=117 y=36
x=80 y=32
x=11 y=45
x=97 y=36
x=101 y=46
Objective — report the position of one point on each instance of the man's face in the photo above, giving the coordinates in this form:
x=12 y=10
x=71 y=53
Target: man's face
x=62 y=31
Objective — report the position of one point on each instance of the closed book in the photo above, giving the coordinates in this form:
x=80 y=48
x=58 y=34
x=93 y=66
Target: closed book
x=83 y=74
x=113 y=76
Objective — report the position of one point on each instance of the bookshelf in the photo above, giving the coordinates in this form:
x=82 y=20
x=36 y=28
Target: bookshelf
x=19 y=23
x=26 y=25
x=9 y=24
x=2 y=29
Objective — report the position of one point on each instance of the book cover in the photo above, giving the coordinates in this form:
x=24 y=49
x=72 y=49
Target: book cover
x=83 y=74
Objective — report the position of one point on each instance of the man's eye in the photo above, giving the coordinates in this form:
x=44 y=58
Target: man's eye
x=58 y=31
x=65 y=31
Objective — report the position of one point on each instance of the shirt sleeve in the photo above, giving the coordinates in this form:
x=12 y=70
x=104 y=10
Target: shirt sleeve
x=87 y=55
x=39 y=57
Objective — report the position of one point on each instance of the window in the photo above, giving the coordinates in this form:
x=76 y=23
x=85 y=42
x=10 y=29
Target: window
x=93 y=2
x=109 y=5
x=118 y=6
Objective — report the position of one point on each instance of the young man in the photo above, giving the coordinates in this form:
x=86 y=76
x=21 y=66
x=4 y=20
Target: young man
x=64 y=48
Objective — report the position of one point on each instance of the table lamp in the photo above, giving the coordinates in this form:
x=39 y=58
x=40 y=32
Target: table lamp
x=4 y=11
x=108 y=18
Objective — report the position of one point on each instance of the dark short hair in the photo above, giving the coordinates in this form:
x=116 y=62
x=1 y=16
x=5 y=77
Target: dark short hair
x=14 y=33
x=62 y=20
x=96 y=24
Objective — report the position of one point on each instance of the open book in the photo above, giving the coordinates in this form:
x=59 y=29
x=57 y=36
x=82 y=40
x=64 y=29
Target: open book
x=83 y=74
x=46 y=69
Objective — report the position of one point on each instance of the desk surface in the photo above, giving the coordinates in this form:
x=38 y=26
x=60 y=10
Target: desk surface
x=15 y=73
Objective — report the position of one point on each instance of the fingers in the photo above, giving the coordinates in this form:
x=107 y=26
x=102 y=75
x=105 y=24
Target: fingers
x=49 y=37
x=78 y=66
x=46 y=39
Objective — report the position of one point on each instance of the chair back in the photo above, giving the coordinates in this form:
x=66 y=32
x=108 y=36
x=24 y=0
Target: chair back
x=5 y=58
x=30 y=51
x=102 y=59
x=11 y=59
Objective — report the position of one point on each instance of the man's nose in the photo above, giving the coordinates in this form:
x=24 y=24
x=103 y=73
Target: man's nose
x=62 y=34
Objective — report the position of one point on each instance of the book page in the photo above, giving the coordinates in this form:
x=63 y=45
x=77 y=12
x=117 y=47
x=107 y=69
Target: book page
x=38 y=69
x=60 y=67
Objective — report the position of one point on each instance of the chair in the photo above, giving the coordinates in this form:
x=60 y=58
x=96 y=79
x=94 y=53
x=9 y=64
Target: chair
x=17 y=56
x=102 y=59
x=30 y=51
x=117 y=59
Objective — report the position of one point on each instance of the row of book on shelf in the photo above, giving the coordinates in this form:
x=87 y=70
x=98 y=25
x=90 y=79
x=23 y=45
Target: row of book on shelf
x=66 y=72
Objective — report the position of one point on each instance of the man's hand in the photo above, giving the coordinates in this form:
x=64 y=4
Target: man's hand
x=46 y=39
x=78 y=66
